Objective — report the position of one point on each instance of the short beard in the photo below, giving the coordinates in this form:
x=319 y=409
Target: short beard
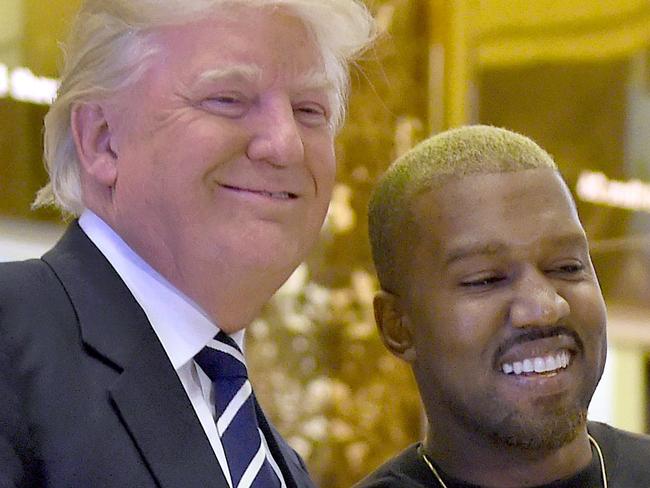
x=557 y=429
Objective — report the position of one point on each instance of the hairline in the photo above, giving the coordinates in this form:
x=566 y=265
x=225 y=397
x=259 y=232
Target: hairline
x=408 y=219
x=464 y=151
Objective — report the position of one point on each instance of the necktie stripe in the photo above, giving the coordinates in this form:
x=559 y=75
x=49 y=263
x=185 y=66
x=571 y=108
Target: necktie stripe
x=220 y=346
x=272 y=462
x=250 y=464
x=233 y=407
x=253 y=468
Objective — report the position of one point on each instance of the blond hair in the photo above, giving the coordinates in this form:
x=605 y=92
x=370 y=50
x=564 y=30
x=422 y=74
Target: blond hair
x=468 y=150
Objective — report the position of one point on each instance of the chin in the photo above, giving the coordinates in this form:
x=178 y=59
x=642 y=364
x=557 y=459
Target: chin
x=274 y=264
x=550 y=432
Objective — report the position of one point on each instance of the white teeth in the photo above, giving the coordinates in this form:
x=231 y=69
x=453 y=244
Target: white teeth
x=528 y=366
x=280 y=195
x=551 y=363
x=539 y=364
x=271 y=194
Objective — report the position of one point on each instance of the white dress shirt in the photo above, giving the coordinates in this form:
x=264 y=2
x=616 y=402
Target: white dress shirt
x=180 y=324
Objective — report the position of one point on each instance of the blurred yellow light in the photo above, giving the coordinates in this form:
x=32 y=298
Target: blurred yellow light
x=22 y=85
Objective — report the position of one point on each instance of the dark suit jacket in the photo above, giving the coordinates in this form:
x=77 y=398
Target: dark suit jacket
x=88 y=397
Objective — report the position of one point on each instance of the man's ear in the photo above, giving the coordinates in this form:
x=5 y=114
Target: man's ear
x=394 y=326
x=93 y=140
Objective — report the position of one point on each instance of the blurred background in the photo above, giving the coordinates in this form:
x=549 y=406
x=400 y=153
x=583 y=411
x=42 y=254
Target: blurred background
x=572 y=74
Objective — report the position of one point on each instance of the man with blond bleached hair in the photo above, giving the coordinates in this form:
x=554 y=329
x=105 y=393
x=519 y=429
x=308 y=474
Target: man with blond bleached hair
x=489 y=293
x=193 y=143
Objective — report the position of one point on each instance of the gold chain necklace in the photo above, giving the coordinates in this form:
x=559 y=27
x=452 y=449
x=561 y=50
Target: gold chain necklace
x=593 y=442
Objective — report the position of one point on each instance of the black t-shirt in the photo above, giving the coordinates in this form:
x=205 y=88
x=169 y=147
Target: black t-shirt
x=591 y=476
x=626 y=456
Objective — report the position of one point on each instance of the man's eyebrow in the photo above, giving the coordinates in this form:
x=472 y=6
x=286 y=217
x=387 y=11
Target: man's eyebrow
x=573 y=239
x=313 y=80
x=244 y=72
x=472 y=250
x=492 y=248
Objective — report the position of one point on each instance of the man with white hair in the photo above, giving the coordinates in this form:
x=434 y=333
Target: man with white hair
x=193 y=143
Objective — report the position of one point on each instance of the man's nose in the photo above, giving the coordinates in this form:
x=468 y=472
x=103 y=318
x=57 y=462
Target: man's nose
x=276 y=138
x=537 y=302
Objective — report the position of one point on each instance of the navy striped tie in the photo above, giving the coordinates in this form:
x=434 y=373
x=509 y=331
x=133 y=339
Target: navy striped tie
x=236 y=418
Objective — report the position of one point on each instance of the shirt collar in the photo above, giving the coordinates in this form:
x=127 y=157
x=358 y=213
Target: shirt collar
x=182 y=327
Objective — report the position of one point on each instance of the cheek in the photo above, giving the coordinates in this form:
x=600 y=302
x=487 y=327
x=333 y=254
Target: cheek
x=476 y=324
x=586 y=298
x=137 y=182
x=588 y=310
x=440 y=330
x=321 y=159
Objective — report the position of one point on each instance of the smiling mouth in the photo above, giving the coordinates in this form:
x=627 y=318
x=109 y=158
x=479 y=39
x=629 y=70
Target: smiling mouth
x=275 y=195
x=548 y=365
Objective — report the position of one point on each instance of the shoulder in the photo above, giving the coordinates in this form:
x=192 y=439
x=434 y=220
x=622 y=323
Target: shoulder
x=20 y=279
x=406 y=470
x=625 y=454
x=36 y=290
x=36 y=313
x=618 y=438
x=28 y=287
x=21 y=273
x=25 y=287
x=23 y=309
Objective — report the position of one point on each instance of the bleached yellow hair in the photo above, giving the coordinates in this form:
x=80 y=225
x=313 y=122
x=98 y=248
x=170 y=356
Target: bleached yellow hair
x=477 y=149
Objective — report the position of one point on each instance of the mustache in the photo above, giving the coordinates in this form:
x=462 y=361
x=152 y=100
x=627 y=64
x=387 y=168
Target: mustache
x=532 y=334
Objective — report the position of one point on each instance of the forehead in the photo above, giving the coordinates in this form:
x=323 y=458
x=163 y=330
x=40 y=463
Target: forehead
x=524 y=208
x=258 y=42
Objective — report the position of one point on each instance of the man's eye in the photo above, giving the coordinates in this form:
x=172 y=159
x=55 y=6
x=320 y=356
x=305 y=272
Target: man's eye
x=225 y=99
x=311 y=110
x=482 y=281
x=570 y=268
x=229 y=105
x=311 y=114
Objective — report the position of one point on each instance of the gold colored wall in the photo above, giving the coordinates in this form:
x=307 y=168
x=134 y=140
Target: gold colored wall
x=11 y=20
x=44 y=29
x=36 y=31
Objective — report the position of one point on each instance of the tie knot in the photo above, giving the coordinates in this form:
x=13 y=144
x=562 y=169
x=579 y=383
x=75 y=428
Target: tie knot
x=222 y=358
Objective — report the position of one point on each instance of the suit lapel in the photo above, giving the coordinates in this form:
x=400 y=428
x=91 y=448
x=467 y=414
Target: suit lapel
x=154 y=407
x=148 y=396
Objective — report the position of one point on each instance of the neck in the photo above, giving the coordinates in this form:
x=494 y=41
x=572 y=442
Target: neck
x=484 y=462
x=232 y=298
x=230 y=289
